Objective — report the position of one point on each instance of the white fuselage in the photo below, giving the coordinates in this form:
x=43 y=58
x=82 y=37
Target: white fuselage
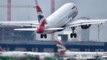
x=12 y=54
x=84 y=55
x=21 y=54
x=62 y=16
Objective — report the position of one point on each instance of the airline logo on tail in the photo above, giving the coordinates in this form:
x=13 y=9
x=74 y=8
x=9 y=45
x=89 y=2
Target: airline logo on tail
x=41 y=18
x=61 y=47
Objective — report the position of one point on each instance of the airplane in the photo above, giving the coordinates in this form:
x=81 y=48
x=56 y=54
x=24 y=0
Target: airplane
x=58 y=21
x=24 y=55
x=62 y=51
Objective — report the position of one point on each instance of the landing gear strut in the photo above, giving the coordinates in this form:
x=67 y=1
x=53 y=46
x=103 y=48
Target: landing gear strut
x=73 y=34
x=43 y=35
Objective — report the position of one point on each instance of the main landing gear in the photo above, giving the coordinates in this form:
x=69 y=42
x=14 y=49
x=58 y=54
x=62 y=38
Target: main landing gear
x=43 y=35
x=73 y=34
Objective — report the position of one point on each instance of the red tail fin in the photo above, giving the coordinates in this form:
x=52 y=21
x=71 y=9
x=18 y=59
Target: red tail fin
x=1 y=49
x=41 y=18
x=61 y=47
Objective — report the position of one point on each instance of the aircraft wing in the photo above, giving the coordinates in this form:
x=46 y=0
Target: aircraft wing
x=19 y=23
x=86 y=22
x=54 y=28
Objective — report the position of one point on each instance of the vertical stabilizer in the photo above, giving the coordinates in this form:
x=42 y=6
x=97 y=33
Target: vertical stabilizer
x=40 y=15
x=61 y=47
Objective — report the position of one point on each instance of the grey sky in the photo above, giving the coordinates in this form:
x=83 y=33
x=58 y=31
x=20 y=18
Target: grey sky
x=87 y=8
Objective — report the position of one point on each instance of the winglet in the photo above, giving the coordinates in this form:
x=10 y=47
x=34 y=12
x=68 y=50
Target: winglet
x=41 y=18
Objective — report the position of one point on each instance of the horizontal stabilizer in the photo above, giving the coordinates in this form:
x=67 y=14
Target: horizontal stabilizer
x=25 y=29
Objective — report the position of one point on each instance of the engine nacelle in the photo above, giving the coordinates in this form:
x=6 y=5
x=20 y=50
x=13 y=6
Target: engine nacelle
x=40 y=29
x=85 y=26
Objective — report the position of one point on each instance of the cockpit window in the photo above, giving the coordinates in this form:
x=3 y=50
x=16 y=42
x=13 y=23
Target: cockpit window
x=73 y=7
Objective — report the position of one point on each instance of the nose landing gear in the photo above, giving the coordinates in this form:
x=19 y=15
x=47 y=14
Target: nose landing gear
x=43 y=35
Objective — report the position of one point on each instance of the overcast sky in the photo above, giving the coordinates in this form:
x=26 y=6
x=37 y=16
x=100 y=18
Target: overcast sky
x=87 y=8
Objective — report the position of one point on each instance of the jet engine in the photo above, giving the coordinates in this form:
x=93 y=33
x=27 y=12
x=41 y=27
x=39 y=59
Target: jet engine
x=85 y=26
x=40 y=29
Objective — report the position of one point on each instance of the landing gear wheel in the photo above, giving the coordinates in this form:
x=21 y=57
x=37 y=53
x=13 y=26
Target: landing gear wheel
x=73 y=35
x=43 y=35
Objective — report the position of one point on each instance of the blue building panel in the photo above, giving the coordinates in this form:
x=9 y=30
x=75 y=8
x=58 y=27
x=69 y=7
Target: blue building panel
x=41 y=47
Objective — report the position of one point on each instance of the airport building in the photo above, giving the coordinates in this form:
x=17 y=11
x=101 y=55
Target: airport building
x=12 y=10
x=25 y=41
